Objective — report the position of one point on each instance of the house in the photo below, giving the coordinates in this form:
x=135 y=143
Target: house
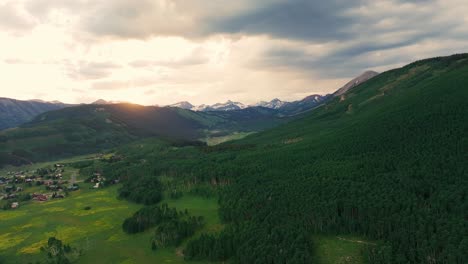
x=14 y=205
x=39 y=197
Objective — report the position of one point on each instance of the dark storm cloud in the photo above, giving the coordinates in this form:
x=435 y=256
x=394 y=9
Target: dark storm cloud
x=353 y=40
x=358 y=27
x=297 y=19
x=339 y=64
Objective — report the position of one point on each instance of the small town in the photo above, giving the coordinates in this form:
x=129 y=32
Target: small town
x=41 y=185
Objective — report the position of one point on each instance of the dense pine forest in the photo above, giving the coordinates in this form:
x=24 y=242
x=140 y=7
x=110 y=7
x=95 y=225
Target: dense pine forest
x=386 y=161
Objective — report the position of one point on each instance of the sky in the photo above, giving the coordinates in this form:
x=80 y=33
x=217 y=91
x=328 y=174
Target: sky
x=158 y=52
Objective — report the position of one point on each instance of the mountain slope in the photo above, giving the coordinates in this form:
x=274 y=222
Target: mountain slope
x=387 y=162
x=15 y=112
x=355 y=82
x=90 y=128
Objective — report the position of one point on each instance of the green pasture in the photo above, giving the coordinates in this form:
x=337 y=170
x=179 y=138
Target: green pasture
x=339 y=249
x=96 y=231
x=212 y=141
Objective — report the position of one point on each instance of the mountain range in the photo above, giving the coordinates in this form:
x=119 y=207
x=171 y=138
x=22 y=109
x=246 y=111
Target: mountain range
x=16 y=112
x=229 y=105
x=13 y=112
x=283 y=107
x=65 y=130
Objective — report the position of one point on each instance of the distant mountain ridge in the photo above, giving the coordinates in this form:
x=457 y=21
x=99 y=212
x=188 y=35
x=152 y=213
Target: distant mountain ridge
x=306 y=104
x=184 y=105
x=282 y=107
x=16 y=112
x=104 y=102
x=227 y=106
x=273 y=104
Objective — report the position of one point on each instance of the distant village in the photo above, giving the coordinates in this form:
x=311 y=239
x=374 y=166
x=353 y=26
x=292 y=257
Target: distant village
x=48 y=183
x=40 y=185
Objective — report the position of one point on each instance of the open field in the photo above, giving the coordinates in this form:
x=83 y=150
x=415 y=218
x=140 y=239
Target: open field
x=338 y=249
x=211 y=141
x=97 y=231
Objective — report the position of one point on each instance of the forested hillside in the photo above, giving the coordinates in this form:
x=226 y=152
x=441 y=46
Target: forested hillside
x=386 y=161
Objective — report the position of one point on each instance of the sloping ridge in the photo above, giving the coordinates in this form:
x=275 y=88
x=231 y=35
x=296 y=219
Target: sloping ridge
x=355 y=82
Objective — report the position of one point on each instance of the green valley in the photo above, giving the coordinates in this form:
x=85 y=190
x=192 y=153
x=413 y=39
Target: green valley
x=87 y=129
x=95 y=231
x=374 y=175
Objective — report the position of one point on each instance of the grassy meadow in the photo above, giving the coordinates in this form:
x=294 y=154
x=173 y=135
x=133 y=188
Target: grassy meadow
x=339 y=249
x=212 y=141
x=97 y=232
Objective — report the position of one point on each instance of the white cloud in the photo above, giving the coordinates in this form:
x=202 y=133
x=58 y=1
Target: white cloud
x=13 y=18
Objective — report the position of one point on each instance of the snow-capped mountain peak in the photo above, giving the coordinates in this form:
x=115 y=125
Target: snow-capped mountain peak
x=273 y=104
x=228 y=106
x=183 y=105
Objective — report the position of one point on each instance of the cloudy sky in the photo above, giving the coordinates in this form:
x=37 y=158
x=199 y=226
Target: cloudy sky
x=207 y=51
